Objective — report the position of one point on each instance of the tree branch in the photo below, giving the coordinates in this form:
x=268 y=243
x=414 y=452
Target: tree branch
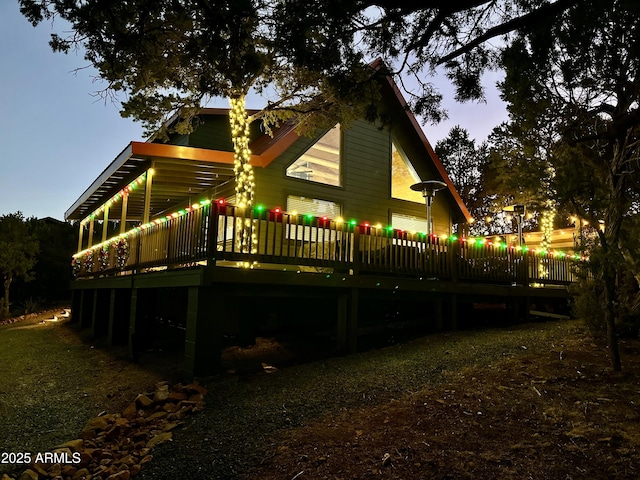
x=522 y=22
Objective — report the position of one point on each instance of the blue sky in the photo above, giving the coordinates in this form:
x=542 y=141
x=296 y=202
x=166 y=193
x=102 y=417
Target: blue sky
x=56 y=137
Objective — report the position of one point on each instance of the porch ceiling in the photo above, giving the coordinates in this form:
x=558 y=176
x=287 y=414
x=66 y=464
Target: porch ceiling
x=182 y=175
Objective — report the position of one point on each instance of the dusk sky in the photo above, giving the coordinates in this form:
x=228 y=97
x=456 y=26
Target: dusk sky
x=57 y=137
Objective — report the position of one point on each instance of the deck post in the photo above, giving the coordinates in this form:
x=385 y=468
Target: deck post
x=86 y=313
x=76 y=306
x=112 y=315
x=453 y=312
x=352 y=321
x=438 y=314
x=342 y=322
x=134 y=341
x=203 y=341
x=94 y=314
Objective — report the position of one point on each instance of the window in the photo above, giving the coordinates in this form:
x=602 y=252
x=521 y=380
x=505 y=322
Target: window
x=402 y=177
x=313 y=206
x=409 y=223
x=321 y=163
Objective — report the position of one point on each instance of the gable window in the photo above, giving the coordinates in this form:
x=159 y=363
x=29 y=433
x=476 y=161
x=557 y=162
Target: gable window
x=313 y=206
x=403 y=175
x=321 y=162
x=409 y=223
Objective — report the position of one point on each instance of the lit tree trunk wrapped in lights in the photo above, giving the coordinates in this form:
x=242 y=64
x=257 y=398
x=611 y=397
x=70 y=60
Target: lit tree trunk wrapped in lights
x=548 y=216
x=242 y=168
x=245 y=182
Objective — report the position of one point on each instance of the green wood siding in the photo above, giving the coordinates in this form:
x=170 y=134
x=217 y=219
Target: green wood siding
x=365 y=194
x=214 y=132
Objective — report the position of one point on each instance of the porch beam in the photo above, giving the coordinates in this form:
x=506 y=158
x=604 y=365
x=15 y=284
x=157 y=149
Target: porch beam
x=90 y=239
x=147 y=194
x=105 y=223
x=80 y=232
x=123 y=214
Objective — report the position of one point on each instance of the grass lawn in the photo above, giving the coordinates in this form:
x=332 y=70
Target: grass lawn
x=529 y=401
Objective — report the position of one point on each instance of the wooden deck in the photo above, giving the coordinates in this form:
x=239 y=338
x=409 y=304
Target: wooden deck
x=224 y=235
x=215 y=268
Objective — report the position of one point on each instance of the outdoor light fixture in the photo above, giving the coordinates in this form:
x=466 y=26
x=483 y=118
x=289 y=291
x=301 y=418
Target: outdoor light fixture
x=519 y=211
x=428 y=189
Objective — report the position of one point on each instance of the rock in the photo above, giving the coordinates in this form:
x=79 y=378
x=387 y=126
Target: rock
x=177 y=396
x=55 y=470
x=161 y=393
x=81 y=474
x=155 y=416
x=40 y=468
x=68 y=471
x=130 y=412
x=74 y=445
x=113 y=432
x=160 y=438
x=121 y=475
x=170 y=426
x=94 y=426
x=143 y=401
x=128 y=460
x=196 y=397
x=28 y=474
x=196 y=388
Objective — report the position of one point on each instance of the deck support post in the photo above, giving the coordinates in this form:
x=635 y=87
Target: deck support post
x=352 y=322
x=76 y=306
x=94 y=314
x=134 y=341
x=347 y=324
x=100 y=313
x=203 y=341
x=438 y=315
x=453 y=312
x=343 y=318
x=527 y=308
x=86 y=312
x=112 y=316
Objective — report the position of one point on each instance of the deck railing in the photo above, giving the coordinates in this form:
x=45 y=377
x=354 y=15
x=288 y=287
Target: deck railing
x=225 y=234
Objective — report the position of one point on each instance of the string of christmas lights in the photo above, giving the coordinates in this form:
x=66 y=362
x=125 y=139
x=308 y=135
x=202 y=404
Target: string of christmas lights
x=323 y=220
x=116 y=198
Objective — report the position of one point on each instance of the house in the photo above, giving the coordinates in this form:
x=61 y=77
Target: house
x=334 y=225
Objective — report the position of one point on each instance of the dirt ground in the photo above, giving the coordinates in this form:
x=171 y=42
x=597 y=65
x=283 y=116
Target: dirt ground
x=561 y=414
x=533 y=401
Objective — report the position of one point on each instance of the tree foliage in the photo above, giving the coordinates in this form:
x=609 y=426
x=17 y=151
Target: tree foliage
x=582 y=92
x=465 y=163
x=18 y=249
x=171 y=56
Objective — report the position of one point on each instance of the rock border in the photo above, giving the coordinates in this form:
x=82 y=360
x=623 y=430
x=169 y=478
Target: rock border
x=117 y=446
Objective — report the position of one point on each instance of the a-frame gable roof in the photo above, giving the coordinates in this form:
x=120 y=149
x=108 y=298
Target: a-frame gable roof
x=196 y=162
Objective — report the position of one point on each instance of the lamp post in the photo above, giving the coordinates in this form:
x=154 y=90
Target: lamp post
x=518 y=210
x=428 y=189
